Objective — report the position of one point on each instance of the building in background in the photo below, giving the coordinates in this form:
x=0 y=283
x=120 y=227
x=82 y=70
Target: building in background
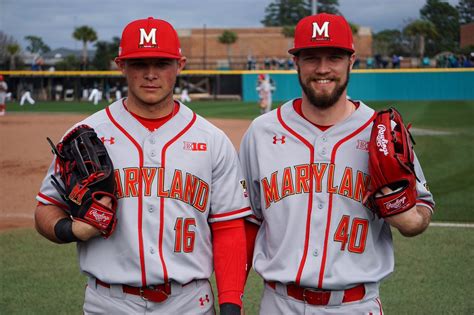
x=203 y=50
x=467 y=35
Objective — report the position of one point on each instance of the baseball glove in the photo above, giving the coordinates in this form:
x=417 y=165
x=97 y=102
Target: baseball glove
x=391 y=165
x=87 y=173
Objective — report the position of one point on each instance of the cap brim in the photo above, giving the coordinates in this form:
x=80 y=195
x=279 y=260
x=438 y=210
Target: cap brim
x=149 y=54
x=294 y=51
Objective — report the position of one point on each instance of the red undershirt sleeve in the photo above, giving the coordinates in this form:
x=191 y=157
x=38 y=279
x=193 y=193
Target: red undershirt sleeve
x=251 y=230
x=230 y=258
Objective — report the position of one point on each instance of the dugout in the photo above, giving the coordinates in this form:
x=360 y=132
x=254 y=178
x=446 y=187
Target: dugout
x=62 y=85
x=75 y=85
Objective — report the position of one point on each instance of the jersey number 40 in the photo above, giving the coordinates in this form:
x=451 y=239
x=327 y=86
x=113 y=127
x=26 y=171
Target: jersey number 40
x=353 y=234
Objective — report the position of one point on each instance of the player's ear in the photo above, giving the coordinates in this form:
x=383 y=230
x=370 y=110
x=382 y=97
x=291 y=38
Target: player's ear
x=120 y=64
x=181 y=64
x=295 y=60
x=352 y=59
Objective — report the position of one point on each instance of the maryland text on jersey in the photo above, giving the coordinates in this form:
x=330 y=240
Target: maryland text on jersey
x=184 y=186
x=313 y=177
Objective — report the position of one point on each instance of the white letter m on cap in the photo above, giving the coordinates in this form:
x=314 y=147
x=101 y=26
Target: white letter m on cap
x=149 y=38
x=321 y=31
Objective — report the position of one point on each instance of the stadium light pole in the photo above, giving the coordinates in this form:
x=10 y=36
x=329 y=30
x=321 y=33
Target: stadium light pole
x=314 y=7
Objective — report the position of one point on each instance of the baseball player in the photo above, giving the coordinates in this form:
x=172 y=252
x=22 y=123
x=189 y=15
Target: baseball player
x=184 y=96
x=319 y=249
x=26 y=97
x=118 y=92
x=95 y=96
x=265 y=90
x=3 y=95
x=178 y=182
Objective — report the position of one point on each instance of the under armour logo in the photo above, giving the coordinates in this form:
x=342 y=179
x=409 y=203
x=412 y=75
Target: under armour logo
x=282 y=139
x=111 y=140
x=202 y=300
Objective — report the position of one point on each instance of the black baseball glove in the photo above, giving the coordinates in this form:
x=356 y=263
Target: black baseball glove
x=87 y=173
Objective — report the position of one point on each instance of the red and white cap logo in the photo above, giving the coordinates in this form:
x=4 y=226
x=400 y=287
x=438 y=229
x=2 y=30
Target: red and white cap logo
x=149 y=38
x=323 y=30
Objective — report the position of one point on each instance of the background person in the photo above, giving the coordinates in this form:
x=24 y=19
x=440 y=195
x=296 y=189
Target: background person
x=3 y=95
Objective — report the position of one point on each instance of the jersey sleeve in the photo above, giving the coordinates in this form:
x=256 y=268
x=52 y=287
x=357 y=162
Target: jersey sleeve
x=48 y=195
x=424 y=198
x=229 y=199
x=249 y=161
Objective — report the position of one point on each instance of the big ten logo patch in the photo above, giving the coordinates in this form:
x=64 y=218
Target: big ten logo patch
x=194 y=146
x=362 y=145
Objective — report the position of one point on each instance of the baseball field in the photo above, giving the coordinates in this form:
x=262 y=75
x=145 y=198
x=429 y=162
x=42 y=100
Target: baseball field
x=432 y=273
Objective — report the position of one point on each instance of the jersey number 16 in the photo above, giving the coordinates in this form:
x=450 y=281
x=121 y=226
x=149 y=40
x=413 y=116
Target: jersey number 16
x=184 y=239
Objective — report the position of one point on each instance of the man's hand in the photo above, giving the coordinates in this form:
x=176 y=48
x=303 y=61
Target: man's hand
x=84 y=231
x=230 y=309
x=411 y=222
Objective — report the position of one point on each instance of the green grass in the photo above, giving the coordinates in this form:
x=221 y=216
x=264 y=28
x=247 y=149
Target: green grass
x=441 y=115
x=433 y=275
x=454 y=116
x=218 y=109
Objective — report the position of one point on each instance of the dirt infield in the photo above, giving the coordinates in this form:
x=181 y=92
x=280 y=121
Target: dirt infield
x=25 y=157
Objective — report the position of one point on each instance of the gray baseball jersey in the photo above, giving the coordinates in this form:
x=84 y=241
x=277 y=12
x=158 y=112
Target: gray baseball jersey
x=171 y=183
x=306 y=188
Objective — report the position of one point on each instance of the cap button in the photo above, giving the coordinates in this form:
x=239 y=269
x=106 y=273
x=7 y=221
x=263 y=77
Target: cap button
x=150 y=18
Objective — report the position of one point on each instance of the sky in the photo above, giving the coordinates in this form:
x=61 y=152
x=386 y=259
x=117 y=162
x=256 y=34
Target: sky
x=55 y=20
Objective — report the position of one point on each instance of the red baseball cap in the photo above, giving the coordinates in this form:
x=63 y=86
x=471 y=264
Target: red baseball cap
x=149 y=38
x=323 y=30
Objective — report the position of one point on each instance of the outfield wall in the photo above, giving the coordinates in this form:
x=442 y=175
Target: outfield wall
x=367 y=85
x=380 y=85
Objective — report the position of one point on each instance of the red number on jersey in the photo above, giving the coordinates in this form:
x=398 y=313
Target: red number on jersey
x=184 y=239
x=342 y=234
x=357 y=237
x=360 y=228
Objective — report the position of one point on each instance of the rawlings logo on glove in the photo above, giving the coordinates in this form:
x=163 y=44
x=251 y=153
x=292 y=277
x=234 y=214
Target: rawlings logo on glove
x=391 y=165
x=381 y=141
x=86 y=171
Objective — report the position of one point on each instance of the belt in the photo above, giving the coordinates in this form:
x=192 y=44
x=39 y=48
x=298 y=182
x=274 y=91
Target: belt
x=321 y=297
x=153 y=293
